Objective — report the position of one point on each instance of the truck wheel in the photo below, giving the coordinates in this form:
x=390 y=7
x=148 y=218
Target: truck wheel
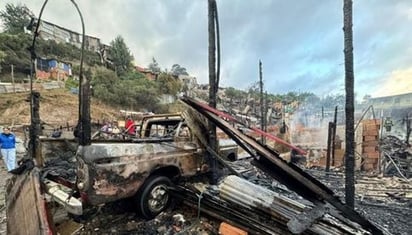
x=154 y=196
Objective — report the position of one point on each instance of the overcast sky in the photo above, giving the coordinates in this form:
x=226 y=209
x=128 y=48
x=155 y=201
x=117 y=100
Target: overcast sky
x=300 y=42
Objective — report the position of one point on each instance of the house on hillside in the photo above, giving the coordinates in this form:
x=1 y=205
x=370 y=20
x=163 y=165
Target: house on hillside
x=52 y=69
x=149 y=74
x=50 y=31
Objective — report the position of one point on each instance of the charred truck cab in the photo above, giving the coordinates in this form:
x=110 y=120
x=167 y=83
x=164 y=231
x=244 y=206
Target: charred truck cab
x=143 y=168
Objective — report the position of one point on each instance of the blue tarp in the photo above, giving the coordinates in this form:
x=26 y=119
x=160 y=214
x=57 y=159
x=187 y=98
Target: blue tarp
x=47 y=64
x=53 y=63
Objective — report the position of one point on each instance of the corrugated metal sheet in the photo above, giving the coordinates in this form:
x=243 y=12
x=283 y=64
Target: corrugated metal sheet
x=298 y=217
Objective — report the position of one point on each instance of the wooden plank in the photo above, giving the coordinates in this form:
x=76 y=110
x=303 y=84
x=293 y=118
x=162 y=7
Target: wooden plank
x=26 y=205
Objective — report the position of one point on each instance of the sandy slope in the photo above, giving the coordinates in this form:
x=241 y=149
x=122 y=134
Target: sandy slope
x=57 y=107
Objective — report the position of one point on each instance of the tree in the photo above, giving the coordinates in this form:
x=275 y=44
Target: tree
x=132 y=75
x=234 y=94
x=15 y=18
x=120 y=55
x=230 y=93
x=349 y=106
x=154 y=66
x=15 y=52
x=102 y=83
x=178 y=70
x=2 y=56
x=168 y=84
x=136 y=93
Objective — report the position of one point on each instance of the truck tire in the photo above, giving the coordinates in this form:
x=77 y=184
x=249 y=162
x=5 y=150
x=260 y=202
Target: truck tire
x=153 y=197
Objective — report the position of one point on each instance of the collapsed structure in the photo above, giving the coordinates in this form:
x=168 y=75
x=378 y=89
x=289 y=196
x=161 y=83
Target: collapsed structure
x=320 y=213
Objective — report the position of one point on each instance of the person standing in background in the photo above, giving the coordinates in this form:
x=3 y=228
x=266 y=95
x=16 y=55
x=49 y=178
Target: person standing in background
x=129 y=126
x=8 y=148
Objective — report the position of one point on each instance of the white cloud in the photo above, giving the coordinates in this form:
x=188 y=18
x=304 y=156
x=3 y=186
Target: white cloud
x=398 y=82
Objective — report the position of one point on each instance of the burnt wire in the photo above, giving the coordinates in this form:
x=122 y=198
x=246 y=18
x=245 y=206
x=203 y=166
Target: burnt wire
x=33 y=54
x=199 y=196
x=32 y=50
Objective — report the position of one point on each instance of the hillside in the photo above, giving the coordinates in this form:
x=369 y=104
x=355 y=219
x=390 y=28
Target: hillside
x=57 y=107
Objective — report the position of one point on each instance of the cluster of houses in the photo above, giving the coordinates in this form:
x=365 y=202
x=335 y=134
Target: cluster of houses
x=53 y=69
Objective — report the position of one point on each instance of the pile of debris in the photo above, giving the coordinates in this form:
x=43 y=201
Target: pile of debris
x=385 y=200
x=396 y=157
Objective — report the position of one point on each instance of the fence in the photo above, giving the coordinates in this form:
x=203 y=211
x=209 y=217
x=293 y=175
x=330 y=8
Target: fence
x=24 y=87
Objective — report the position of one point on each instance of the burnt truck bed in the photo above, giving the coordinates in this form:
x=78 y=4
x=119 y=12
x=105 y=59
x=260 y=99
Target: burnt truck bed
x=111 y=171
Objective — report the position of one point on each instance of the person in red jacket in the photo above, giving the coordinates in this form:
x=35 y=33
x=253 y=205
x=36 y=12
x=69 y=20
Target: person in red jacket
x=129 y=125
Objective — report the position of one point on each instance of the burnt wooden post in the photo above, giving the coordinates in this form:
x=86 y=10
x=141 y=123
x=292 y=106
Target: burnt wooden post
x=262 y=106
x=329 y=146
x=84 y=124
x=334 y=135
x=349 y=106
x=35 y=127
x=212 y=83
x=408 y=129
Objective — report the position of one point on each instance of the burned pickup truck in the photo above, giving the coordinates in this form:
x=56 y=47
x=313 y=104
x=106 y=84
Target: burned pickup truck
x=142 y=168
x=107 y=170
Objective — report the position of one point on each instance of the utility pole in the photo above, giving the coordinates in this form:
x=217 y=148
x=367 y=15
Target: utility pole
x=12 y=78
x=349 y=106
x=262 y=104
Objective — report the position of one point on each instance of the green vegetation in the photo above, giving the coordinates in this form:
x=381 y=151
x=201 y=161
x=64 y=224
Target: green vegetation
x=15 y=18
x=132 y=89
x=168 y=84
x=178 y=70
x=120 y=56
x=71 y=83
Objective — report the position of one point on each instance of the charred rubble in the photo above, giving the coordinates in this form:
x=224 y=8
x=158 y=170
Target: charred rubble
x=262 y=194
x=396 y=157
